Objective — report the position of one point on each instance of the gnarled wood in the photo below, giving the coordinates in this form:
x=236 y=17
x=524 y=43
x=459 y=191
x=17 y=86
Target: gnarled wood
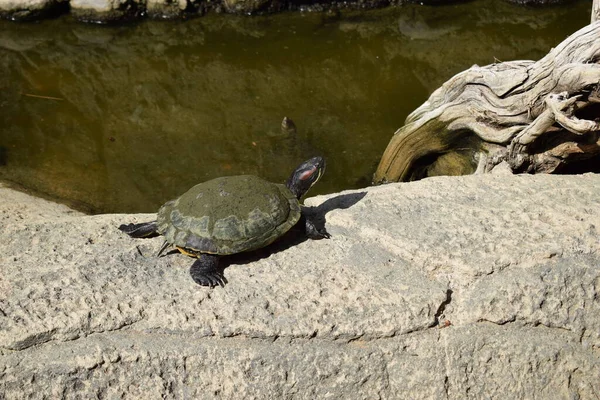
x=523 y=113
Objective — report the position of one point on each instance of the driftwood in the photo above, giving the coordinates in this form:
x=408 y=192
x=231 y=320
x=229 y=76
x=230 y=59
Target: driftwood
x=532 y=116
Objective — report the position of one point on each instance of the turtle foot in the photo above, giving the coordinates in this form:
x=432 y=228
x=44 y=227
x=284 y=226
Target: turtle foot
x=319 y=234
x=143 y=230
x=205 y=271
x=314 y=232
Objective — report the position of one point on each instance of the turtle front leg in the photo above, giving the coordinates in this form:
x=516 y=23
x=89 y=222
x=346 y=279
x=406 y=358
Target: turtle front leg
x=314 y=232
x=205 y=271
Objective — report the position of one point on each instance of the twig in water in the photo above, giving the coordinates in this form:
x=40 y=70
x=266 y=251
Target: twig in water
x=42 y=97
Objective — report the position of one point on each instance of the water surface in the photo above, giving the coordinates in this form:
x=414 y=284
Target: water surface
x=123 y=118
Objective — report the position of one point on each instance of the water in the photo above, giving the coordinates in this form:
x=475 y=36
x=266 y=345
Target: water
x=124 y=118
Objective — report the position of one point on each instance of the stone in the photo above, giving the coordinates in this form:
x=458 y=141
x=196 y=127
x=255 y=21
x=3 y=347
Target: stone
x=483 y=286
x=502 y=168
x=248 y=6
x=23 y=10
x=538 y=2
x=166 y=9
x=106 y=10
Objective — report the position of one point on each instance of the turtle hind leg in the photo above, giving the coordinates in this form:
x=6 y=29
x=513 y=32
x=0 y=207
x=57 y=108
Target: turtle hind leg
x=143 y=230
x=205 y=271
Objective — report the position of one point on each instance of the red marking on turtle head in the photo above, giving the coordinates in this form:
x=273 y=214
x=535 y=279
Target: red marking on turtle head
x=307 y=174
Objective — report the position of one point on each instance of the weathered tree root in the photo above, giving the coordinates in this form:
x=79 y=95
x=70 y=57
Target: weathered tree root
x=525 y=114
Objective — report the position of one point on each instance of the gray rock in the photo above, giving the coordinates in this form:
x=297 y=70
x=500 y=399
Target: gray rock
x=106 y=10
x=502 y=168
x=538 y=2
x=166 y=8
x=119 y=10
x=20 y=10
x=467 y=287
x=251 y=6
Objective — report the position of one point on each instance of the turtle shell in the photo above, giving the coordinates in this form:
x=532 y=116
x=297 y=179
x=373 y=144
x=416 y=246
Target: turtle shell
x=229 y=215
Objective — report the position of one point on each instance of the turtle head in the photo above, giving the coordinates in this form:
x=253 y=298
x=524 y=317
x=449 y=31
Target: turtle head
x=306 y=175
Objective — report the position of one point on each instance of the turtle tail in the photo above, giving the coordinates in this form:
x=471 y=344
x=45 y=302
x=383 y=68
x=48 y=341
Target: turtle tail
x=143 y=230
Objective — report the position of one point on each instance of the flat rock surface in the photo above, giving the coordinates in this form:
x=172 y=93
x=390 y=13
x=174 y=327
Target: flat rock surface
x=467 y=287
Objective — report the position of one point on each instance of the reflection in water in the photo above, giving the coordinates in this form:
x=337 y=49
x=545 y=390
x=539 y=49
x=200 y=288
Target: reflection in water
x=3 y=156
x=124 y=118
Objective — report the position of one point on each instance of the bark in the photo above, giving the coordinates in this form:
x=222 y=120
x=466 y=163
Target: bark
x=533 y=116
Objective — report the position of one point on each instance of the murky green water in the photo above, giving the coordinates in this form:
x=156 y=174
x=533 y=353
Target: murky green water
x=134 y=115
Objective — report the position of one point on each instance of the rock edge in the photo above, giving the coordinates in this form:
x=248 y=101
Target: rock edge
x=465 y=287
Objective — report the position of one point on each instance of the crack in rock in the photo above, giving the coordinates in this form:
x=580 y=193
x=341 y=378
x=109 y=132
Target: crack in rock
x=442 y=308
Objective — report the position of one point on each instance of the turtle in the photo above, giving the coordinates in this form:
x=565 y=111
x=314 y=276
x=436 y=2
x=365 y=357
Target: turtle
x=230 y=215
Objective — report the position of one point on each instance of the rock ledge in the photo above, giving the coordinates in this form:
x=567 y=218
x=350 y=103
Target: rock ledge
x=467 y=287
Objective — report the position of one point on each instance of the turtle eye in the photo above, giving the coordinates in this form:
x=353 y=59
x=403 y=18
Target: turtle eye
x=307 y=174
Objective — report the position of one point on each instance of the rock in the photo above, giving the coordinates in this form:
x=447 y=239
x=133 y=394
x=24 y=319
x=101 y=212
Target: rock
x=17 y=207
x=538 y=2
x=166 y=9
x=24 y=10
x=106 y=10
x=249 y=6
x=502 y=168
x=482 y=286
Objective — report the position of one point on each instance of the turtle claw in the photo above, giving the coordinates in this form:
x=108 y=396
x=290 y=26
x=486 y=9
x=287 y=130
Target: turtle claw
x=214 y=280
x=319 y=234
x=324 y=234
x=205 y=271
x=222 y=280
x=314 y=232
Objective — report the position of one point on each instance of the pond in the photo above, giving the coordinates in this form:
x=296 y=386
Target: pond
x=124 y=118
